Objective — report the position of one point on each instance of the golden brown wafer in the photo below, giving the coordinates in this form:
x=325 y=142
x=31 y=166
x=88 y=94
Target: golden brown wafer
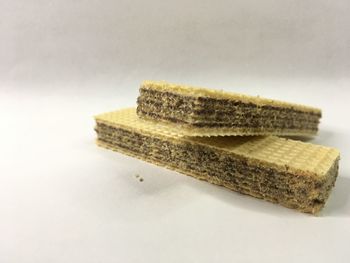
x=292 y=173
x=205 y=112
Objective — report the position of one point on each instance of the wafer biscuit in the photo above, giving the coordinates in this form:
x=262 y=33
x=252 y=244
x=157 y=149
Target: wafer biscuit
x=294 y=174
x=206 y=112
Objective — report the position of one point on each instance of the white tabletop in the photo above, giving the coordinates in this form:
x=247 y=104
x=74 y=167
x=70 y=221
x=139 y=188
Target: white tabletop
x=63 y=199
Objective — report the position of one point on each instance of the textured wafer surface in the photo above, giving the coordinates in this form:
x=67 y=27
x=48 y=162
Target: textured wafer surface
x=213 y=93
x=244 y=131
x=285 y=154
x=205 y=112
x=294 y=174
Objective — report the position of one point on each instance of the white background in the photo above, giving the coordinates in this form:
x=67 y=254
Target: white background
x=62 y=199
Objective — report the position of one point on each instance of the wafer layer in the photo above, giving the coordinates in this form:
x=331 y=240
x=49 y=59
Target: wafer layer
x=205 y=112
x=294 y=174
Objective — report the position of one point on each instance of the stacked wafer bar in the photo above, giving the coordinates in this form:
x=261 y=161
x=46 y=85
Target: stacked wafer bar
x=294 y=174
x=180 y=127
x=205 y=112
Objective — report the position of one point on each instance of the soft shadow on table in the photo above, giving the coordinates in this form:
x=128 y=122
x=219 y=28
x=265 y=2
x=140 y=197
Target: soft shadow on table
x=338 y=204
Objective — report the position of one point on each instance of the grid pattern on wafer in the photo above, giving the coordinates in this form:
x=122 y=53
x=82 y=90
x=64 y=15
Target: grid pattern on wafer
x=281 y=152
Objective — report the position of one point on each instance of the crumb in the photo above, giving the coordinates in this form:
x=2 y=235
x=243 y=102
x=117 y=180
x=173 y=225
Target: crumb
x=137 y=176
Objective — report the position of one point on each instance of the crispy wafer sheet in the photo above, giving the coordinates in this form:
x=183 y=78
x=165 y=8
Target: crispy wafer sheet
x=294 y=174
x=207 y=112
